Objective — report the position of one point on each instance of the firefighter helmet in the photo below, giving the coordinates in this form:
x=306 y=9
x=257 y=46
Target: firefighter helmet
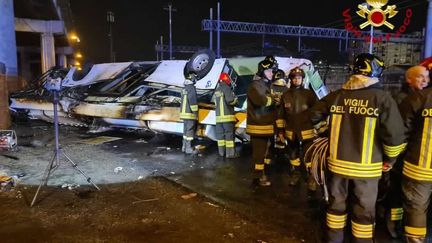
x=279 y=78
x=368 y=65
x=224 y=77
x=264 y=65
x=296 y=72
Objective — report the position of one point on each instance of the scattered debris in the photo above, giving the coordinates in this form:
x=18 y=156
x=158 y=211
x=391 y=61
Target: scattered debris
x=9 y=156
x=99 y=140
x=213 y=205
x=237 y=227
x=172 y=173
x=140 y=141
x=118 y=169
x=189 y=196
x=200 y=148
x=140 y=177
x=115 y=146
x=8 y=140
x=146 y=200
x=231 y=235
x=6 y=183
x=70 y=186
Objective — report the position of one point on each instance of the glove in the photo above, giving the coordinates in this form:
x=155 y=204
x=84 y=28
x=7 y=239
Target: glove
x=386 y=167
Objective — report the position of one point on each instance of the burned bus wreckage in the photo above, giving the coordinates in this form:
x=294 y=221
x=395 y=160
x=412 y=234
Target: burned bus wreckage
x=146 y=95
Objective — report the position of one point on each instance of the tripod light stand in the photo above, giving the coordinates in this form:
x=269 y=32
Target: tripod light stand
x=58 y=152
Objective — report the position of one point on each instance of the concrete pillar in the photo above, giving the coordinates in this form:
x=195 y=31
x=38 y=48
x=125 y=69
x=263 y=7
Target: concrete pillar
x=47 y=51
x=62 y=60
x=5 y=121
x=428 y=37
x=8 y=51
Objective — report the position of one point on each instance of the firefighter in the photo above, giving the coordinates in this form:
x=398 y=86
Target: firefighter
x=189 y=112
x=416 y=110
x=417 y=78
x=294 y=101
x=277 y=88
x=225 y=100
x=261 y=118
x=366 y=136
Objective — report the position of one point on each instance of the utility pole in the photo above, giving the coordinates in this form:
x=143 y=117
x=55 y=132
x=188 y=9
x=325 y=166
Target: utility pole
x=110 y=20
x=211 y=30
x=170 y=9
x=218 y=55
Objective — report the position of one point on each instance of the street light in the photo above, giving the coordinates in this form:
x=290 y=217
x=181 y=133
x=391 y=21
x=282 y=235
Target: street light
x=110 y=21
x=170 y=9
x=78 y=55
x=74 y=37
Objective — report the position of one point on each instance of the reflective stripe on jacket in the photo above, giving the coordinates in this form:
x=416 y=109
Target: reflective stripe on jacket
x=260 y=109
x=366 y=128
x=189 y=105
x=416 y=110
x=225 y=100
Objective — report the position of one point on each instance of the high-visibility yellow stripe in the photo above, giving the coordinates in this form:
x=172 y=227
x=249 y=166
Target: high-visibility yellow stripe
x=260 y=129
x=355 y=165
x=355 y=173
x=363 y=231
x=184 y=103
x=259 y=166
x=226 y=118
x=308 y=134
x=194 y=107
x=295 y=162
x=221 y=143
x=396 y=214
x=416 y=172
x=394 y=151
x=289 y=135
x=188 y=116
x=269 y=101
x=368 y=140
x=334 y=134
x=280 y=123
x=426 y=144
x=221 y=106
x=267 y=161
x=229 y=144
x=416 y=231
x=188 y=138
x=336 y=221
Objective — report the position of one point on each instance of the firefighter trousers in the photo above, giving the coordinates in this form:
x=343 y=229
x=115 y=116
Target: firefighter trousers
x=416 y=199
x=393 y=199
x=225 y=138
x=296 y=151
x=260 y=147
x=362 y=195
x=189 y=129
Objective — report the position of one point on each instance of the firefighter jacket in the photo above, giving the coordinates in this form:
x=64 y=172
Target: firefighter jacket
x=295 y=101
x=366 y=128
x=225 y=100
x=416 y=110
x=260 y=109
x=278 y=90
x=405 y=91
x=189 y=105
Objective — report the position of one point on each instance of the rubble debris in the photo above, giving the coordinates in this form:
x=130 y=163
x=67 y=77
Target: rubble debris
x=99 y=140
x=118 y=169
x=231 y=235
x=146 y=200
x=189 y=196
x=212 y=204
x=200 y=148
x=70 y=186
x=140 y=141
x=140 y=177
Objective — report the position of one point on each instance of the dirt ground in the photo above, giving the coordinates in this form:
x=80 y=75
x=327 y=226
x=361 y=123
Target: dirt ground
x=150 y=210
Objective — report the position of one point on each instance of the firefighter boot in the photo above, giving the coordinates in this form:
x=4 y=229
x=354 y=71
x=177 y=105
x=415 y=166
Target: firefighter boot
x=411 y=239
x=221 y=150
x=188 y=147
x=231 y=153
x=263 y=180
x=311 y=184
x=294 y=177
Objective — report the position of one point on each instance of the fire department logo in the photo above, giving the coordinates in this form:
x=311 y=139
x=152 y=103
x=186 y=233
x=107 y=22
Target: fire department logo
x=377 y=17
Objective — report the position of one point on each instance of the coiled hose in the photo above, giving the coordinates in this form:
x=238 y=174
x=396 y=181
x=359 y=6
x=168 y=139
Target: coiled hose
x=317 y=155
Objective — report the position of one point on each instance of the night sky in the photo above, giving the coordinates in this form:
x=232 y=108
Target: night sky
x=139 y=24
